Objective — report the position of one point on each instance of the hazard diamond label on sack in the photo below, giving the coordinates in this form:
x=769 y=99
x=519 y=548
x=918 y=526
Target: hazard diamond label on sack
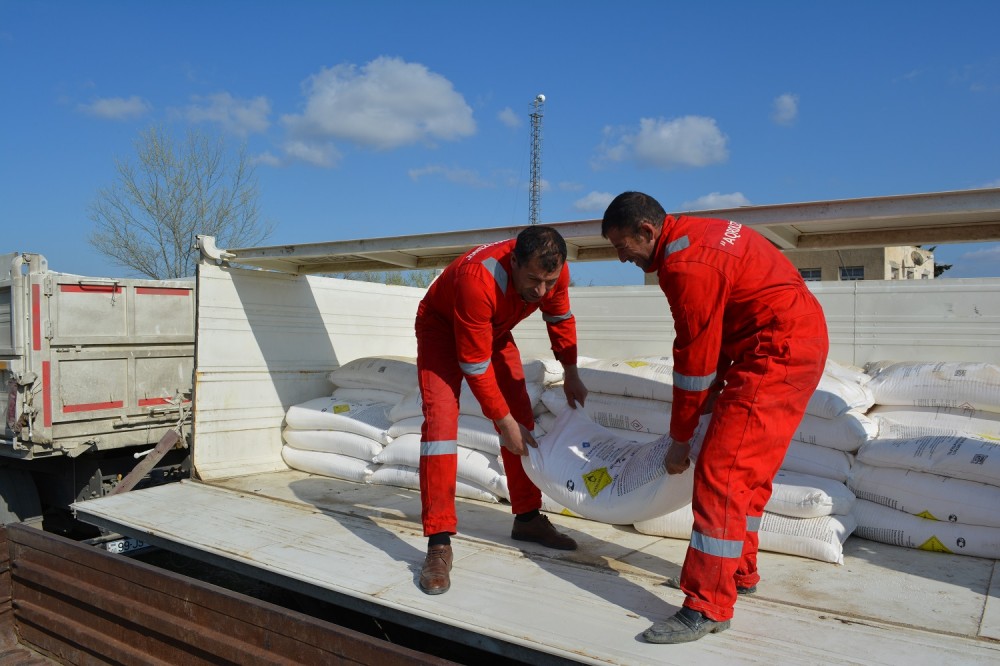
x=934 y=544
x=636 y=364
x=597 y=480
x=340 y=409
x=926 y=514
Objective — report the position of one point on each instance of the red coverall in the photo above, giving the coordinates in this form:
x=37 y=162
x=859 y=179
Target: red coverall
x=463 y=329
x=743 y=315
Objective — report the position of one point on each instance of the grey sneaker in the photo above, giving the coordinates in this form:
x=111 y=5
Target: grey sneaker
x=684 y=626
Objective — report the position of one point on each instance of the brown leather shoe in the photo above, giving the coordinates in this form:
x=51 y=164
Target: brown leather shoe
x=540 y=530
x=434 y=578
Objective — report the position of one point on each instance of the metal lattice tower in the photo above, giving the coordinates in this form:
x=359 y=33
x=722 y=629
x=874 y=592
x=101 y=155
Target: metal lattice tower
x=536 y=159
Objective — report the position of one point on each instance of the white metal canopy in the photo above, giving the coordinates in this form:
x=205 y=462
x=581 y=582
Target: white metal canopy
x=913 y=219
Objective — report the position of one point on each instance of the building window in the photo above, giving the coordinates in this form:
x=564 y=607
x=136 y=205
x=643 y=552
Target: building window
x=811 y=274
x=909 y=273
x=895 y=272
x=852 y=272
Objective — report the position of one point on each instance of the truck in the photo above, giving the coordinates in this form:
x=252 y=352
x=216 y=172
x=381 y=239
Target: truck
x=270 y=330
x=94 y=372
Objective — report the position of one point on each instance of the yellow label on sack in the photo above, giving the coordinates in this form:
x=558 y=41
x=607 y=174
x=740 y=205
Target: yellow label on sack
x=636 y=364
x=934 y=544
x=341 y=408
x=597 y=480
x=926 y=514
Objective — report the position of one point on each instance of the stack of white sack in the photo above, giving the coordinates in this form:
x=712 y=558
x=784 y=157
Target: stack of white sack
x=807 y=516
x=931 y=479
x=340 y=435
x=834 y=426
x=480 y=469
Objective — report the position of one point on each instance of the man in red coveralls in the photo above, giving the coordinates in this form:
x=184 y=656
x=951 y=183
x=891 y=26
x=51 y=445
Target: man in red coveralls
x=750 y=337
x=464 y=332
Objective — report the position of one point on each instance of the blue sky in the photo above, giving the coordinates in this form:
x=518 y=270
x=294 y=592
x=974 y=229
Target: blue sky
x=386 y=118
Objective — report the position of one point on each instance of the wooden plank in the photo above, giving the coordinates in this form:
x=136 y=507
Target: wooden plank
x=88 y=606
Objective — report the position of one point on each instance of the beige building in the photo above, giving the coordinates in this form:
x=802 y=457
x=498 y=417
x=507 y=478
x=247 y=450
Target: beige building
x=874 y=263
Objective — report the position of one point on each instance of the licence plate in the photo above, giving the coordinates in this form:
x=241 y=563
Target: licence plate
x=126 y=545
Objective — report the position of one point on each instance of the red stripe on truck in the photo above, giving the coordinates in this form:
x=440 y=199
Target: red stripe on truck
x=90 y=288
x=150 y=402
x=163 y=291
x=92 y=406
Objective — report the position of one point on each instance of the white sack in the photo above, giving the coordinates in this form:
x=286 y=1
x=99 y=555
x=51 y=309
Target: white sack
x=806 y=496
x=367 y=418
x=957 y=457
x=904 y=422
x=846 y=432
x=817 y=460
x=615 y=411
x=402 y=476
x=814 y=538
x=412 y=403
x=927 y=495
x=592 y=472
x=473 y=466
x=650 y=378
x=389 y=373
x=946 y=384
x=369 y=394
x=546 y=421
x=885 y=525
x=332 y=441
x=327 y=464
x=474 y=432
x=837 y=394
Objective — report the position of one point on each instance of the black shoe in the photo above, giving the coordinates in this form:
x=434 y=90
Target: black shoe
x=684 y=626
x=540 y=530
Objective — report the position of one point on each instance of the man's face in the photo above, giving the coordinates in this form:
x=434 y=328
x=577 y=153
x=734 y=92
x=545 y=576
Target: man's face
x=638 y=249
x=530 y=281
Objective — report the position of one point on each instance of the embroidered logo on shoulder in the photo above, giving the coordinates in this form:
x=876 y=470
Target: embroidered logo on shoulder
x=731 y=235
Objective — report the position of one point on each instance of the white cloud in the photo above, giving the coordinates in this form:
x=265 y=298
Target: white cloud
x=570 y=186
x=268 y=159
x=451 y=174
x=985 y=255
x=509 y=118
x=716 y=200
x=785 y=109
x=596 y=201
x=117 y=108
x=691 y=141
x=237 y=116
x=386 y=104
x=317 y=153
x=994 y=183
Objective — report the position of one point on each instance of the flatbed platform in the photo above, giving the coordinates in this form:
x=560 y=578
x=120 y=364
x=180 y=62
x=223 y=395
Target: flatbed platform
x=361 y=546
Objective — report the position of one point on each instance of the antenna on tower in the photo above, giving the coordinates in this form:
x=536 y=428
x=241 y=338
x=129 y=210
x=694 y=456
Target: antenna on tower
x=536 y=159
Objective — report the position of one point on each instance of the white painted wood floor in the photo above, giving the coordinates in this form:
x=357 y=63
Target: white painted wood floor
x=362 y=546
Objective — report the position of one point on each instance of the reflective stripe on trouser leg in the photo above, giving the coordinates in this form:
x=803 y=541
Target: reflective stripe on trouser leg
x=524 y=494
x=440 y=381
x=746 y=573
x=743 y=449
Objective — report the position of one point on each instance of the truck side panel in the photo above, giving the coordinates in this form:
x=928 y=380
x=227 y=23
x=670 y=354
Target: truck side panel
x=267 y=341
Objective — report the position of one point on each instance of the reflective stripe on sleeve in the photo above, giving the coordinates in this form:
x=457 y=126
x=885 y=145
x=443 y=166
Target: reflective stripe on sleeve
x=677 y=245
x=753 y=523
x=474 y=368
x=689 y=383
x=498 y=272
x=443 y=448
x=552 y=319
x=716 y=547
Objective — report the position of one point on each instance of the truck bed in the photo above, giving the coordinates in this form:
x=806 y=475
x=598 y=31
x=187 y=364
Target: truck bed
x=360 y=546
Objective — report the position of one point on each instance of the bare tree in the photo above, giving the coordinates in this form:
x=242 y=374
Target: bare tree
x=147 y=221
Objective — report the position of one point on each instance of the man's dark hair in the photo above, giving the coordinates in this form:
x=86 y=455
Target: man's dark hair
x=542 y=243
x=630 y=209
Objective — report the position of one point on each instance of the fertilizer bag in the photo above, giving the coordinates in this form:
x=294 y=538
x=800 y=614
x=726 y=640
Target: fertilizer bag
x=602 y=476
